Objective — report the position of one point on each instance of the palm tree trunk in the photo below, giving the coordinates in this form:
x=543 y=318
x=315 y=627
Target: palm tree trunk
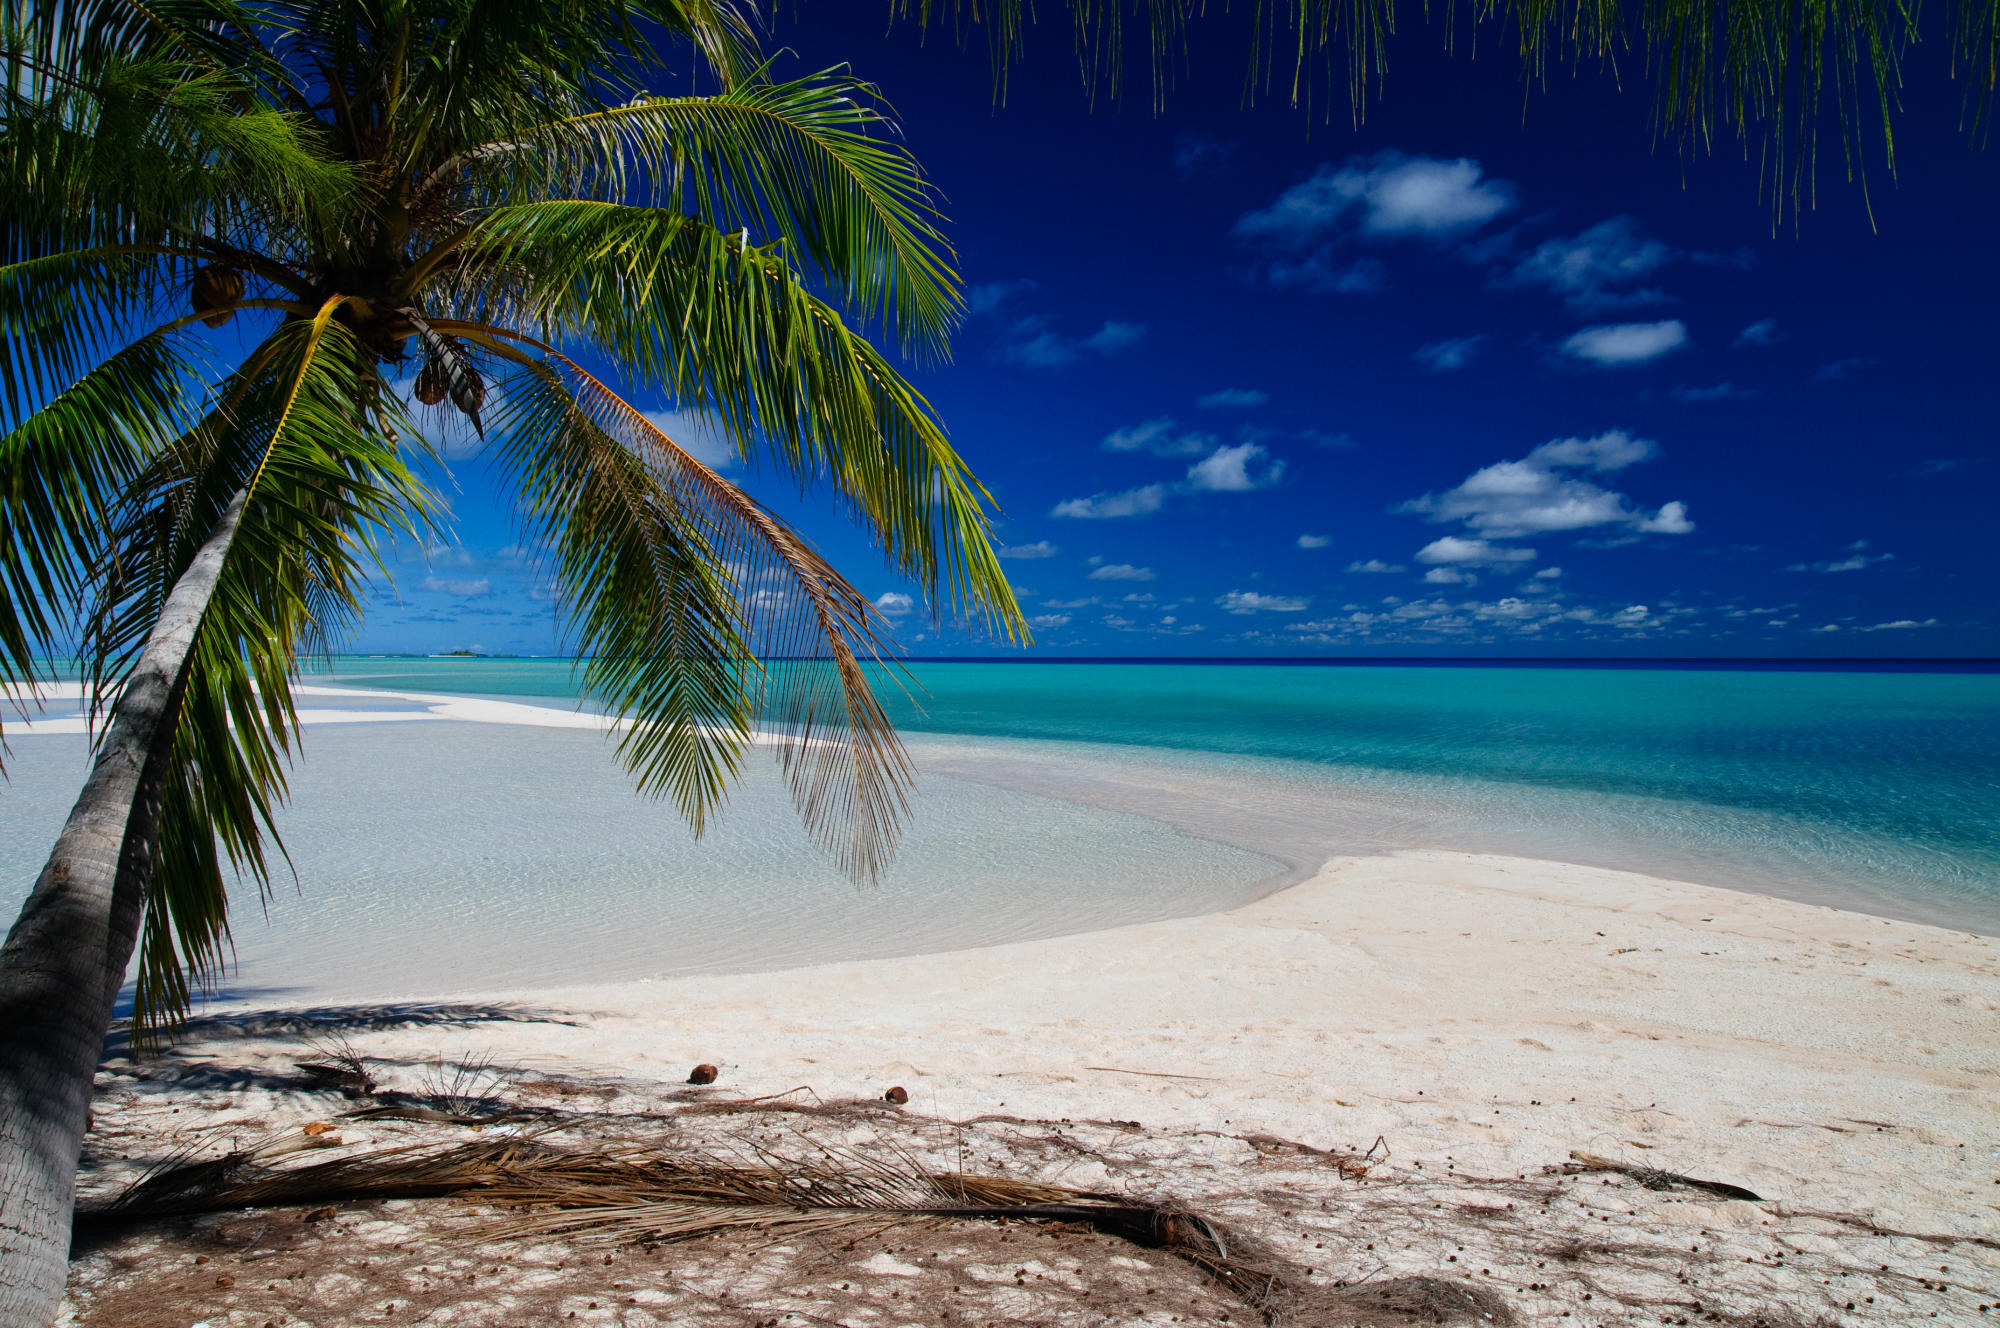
x=65 y=959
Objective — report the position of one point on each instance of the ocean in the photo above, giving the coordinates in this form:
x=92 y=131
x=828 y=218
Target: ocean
x=1057 y=797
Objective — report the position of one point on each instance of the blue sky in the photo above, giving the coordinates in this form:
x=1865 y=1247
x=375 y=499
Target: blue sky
x=1247 y=381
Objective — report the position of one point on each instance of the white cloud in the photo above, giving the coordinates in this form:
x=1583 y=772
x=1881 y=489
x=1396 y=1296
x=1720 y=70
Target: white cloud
x=1857 y=558
x=1609 y=451
x=1227 y=470
x=1449 y=576
x=1453 y=549
x=1593 y=270
x=1549 y=574
x=1041 y=350
x=1249 y=601
x=1045 y=621
x=1195 y=154
x=1314 y=541
x=1671 y=519
x=1114 y=336
x=1034 y=344
x=1388 y=194
x=1719 y=392
x=1143 y=501
x=989 y=296
x=1122 y=572
x=894 y=604
x=462 y=589
x=1763 y=332
x=1158 y=436
x=1439 y=619
x=1383 y=197
x=1320 y=274
x=1618 y=345
x=1839 y=369
x=1453 y=353
x=696 y=436
x=1039 y=549
x=1374 y=565
x=1233 y=398
x=1541 y=492
x=1900 y=625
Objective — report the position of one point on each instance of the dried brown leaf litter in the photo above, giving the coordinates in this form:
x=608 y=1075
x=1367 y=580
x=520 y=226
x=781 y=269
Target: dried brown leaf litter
x=640 y=1194
x=637 y=1204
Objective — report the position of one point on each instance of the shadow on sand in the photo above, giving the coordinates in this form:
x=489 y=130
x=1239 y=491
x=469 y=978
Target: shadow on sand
x=331 y=1021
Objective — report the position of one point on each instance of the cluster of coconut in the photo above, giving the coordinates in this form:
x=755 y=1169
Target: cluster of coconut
x=217 y=289
x=466 y=388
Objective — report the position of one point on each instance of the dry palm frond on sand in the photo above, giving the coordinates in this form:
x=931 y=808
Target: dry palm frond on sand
x=640 y=1194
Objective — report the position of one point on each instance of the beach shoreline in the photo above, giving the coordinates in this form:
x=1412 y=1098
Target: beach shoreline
x=1324 y=1010
x=1301 y=815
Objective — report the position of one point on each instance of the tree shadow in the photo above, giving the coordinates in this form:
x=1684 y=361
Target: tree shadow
x=334 y=1021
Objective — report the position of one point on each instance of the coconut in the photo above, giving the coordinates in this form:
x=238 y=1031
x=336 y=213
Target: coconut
x=432 y=382
x=214 y=293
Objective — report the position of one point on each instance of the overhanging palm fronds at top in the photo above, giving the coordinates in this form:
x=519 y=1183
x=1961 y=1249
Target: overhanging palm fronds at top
x=1766 y=72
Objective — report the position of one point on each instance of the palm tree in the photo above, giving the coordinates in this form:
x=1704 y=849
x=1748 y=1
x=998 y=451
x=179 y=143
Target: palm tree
x=380 y=209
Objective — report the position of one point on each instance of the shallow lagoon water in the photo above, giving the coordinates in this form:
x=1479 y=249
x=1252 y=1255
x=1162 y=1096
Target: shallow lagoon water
x=1871 y=787
x=439 y=856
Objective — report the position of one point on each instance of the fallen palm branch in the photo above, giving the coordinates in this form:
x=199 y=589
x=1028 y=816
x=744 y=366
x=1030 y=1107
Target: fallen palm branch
x=640 y=1194
x=1655 y=1179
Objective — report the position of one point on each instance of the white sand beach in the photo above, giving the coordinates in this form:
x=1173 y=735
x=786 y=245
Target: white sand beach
x=1482 y=1017
x=1489 y=1011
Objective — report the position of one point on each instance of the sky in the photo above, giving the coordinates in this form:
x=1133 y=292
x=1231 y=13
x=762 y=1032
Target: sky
x=1492 y=373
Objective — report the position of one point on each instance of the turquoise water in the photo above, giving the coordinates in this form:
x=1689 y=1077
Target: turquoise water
x=1875 y=789
x=436 y=856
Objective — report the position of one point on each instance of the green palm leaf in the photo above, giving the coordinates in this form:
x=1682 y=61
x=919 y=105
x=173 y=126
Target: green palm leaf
x=702 y=616
x=797 y=160
x=734 y=334
x=60 y=468
x=321 y=475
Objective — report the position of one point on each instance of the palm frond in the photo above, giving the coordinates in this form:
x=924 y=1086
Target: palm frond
x=59 y=314
x=60 y=471
x=1769 y=72
x=731 y=332
x=321 y=475
x=136 y=147
x=803 y=161
x=451 y=77
x=639 y=1193
x=700 y=615
x=1977 y=32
